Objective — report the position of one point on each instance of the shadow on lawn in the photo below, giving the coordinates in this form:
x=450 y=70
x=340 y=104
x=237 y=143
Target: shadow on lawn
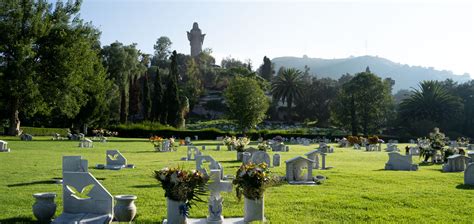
x=465 y=187
x=146 y=186
x=32 y=183
x=20 y=219
x=230 y=161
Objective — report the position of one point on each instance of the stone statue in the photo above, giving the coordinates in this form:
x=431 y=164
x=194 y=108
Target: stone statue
x=196 y=38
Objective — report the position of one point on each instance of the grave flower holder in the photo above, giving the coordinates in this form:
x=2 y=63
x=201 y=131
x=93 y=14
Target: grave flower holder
x=254 y=210
x=44 y=207
x=177 y=211
x=125 y=209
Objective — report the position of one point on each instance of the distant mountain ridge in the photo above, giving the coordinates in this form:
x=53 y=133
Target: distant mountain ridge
x=405 y=76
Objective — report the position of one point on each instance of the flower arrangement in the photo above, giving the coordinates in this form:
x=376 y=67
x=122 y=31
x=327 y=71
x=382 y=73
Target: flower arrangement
x=354 y=140
x=228 y=141
x=240 y=144
x=156 y=141
x=182 y=185
x=263 y=146
x=104 y=132
x=373 y=140
x=251 y=180
x=437 y=139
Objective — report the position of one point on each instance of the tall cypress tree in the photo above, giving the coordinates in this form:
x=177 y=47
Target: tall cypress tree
x=146 y=98
x=171 y=97
x=157 y=104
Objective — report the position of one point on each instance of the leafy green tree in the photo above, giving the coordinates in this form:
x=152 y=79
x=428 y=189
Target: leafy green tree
x=123 y=64
x=431 y=102
x=316 y=99
x=287 y=87
x=266 y=70
x=362 y=104
x=45 y=54
x=192 y=86
x=162 y=52
x=246 y=101
x=171 y=97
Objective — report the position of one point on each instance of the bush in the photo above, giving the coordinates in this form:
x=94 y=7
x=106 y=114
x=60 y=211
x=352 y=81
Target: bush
x=45 y=131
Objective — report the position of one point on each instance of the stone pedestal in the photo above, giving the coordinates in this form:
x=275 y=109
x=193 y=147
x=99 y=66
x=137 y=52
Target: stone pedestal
x=176 y=212
x=254 y=210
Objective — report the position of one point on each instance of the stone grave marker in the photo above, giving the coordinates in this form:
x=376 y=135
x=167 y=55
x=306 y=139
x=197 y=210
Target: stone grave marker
x=260 y=157
x=400 y=162
x=4 y=146
x=295 y=171
x=469 y=175
x=456 y=163
x=276 y=160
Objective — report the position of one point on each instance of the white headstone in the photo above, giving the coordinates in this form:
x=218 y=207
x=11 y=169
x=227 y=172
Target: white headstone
x=469 y=174
x=400 y=162
x=295 y=171
x=115 y=160
x=456 y=163
x=217 y=186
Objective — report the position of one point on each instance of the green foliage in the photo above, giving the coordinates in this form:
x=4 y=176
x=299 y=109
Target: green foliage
x=317 y=96
x=192 y=86
x=433 y=103
x=287 y=87
x=49 y=61
x=147 y=104
x=246 y=101
x=266 y=69
x=363 y=103
x=45 y=131
x=158 y=109
x=171 y=98
x=162 y=52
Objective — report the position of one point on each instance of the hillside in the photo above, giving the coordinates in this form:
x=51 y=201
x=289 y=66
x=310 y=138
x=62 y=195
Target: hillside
x=405 y=76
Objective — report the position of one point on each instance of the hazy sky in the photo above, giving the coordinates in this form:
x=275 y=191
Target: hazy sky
x=436 y=34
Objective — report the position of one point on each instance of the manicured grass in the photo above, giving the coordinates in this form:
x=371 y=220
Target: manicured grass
x=357 y=190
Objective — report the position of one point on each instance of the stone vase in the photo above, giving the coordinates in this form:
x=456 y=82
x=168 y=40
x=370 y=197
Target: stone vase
x=125 y=209
x=240 y=156
x=175 y=212
x=253 y=210
x=44 y=207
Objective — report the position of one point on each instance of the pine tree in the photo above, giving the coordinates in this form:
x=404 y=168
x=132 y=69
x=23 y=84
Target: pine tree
x=146 y=98
x=171 y=97
x=157 y=104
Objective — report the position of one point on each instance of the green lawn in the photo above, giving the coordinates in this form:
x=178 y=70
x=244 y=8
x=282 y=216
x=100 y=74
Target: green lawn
x=357 y=189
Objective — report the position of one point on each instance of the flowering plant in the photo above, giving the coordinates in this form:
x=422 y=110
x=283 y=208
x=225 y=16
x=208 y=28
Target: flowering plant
x=251 y=180
x=263 y=146
x=240 y=144
x=373 y=140
x=354 y=140
x=156 y=141
x=182 y=185
x=228 y=141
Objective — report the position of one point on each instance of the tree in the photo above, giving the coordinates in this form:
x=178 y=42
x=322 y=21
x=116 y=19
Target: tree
x=158 y=94
x=44 y=53
x=431 y=102
x=171 y=96
x=192 y=86
x=316 y=99
x=246 y=101
x=123 y=64
x=162 y=52
x=147 y=103
x=287 y=87
x=266 y=70
x=363 y=103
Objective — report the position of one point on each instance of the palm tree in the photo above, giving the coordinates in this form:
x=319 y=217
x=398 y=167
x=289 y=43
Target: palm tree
x=287 y=87
x=431 y=102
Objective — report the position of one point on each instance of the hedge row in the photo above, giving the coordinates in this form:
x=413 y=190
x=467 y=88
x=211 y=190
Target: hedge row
x=208 y=134
x=44 y=131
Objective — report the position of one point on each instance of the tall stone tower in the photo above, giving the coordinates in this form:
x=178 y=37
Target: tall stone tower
x=196 y=38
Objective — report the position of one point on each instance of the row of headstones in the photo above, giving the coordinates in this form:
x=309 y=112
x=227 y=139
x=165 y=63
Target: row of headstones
x=85 y=200
x=455 y=163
